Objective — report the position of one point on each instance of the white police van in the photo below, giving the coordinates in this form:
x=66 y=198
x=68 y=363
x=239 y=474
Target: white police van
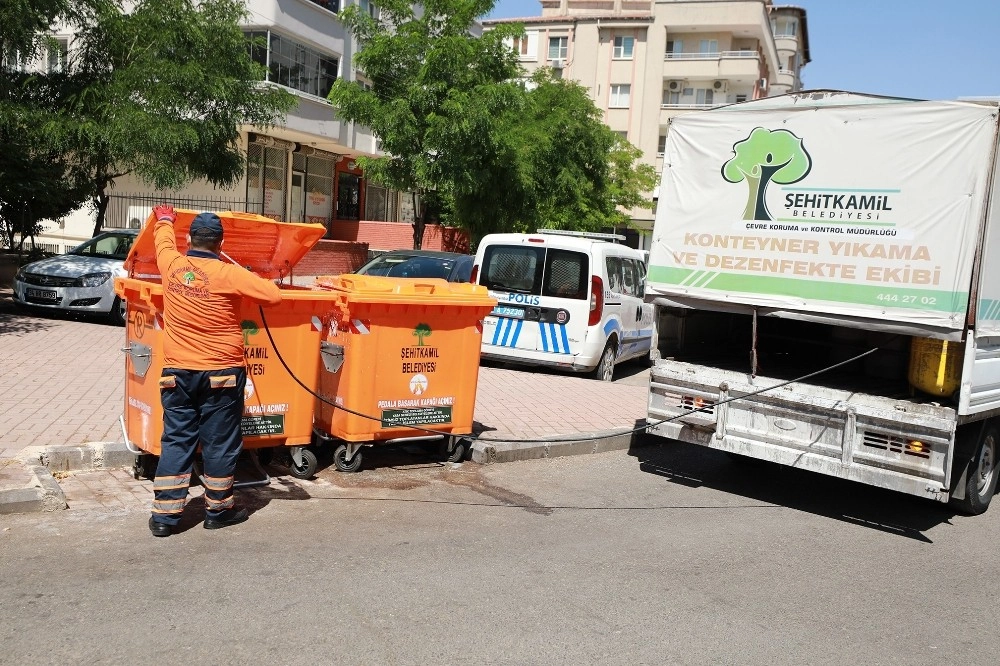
x=566 y=299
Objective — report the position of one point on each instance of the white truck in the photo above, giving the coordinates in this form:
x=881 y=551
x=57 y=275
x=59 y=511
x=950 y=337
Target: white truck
x=797 y=232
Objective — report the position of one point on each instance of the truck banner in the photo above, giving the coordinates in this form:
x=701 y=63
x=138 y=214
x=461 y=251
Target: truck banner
x=869 y=210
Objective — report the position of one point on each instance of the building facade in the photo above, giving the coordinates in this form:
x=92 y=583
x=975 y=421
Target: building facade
x=646 y=61
x=303 y=170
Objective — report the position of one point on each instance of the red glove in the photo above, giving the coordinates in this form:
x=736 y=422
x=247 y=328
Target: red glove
x=164 y=212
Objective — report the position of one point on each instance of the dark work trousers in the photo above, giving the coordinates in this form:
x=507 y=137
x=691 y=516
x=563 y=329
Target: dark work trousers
x=199 y=406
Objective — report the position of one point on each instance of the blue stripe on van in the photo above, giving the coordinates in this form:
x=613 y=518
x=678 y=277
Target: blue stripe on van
x=517 y=332
x=565 y=338
x=496 y=332
x=545 y=339
x=508 y=325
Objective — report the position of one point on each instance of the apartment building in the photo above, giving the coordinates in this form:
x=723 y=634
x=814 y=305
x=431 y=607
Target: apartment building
x=646 y=61
x=304 y=170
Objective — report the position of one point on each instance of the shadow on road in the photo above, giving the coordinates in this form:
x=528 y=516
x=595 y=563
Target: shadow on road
x=875 y=508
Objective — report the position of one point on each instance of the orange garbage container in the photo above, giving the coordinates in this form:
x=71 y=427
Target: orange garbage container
x=278 y=410
x=401 y=361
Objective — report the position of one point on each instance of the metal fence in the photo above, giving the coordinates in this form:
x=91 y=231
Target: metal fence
x=129 y=211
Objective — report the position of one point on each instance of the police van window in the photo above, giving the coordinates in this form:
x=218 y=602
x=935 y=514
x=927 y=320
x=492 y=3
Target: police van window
x=566 y=274
x=614 y=267
x=630 y=280
x=513 y=268
x=640 y=266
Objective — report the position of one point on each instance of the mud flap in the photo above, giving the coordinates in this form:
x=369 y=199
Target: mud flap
x=965 y=448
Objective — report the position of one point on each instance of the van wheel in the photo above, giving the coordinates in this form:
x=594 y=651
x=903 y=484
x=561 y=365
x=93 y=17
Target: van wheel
x=981 y=478
x=605 y=369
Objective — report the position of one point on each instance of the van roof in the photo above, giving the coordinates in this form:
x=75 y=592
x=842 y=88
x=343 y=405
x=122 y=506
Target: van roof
x=552 y=240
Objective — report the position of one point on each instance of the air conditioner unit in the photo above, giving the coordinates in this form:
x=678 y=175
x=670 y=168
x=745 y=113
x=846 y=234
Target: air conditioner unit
x=558 y=64
x=719 y=86
x=762 y=84
x=675 y=86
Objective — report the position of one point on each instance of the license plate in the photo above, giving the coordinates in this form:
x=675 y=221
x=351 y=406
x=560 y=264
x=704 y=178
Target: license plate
x=41 y=293
x=507 y=311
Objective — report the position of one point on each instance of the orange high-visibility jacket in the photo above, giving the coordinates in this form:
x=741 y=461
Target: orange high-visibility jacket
x=201 y=305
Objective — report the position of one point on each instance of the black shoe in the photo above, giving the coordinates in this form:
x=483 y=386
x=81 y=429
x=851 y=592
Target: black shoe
x=159 y=529
x=226 y=518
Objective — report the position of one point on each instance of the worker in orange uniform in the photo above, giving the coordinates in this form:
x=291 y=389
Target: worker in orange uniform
x=201 y=387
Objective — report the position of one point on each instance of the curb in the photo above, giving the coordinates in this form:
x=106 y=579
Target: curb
x=89 y=456
x=43 y=495
x=490 y=452
x=42 y=492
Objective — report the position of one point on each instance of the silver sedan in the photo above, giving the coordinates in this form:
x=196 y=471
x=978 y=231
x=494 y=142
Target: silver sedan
x=81 y=280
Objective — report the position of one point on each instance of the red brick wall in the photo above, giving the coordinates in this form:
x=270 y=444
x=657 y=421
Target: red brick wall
x=399 y=235
x=333 y=257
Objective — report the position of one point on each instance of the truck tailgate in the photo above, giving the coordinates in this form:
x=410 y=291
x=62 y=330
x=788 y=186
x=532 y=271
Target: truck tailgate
x=892 y=443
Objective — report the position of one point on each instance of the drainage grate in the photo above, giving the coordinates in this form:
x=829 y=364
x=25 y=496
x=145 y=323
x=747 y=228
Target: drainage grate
x=896 y=444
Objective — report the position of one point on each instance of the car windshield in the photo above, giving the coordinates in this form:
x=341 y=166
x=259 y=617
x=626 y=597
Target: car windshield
x=106 y=246
x=410 y=266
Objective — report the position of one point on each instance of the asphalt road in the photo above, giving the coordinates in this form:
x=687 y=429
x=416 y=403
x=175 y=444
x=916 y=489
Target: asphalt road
x=661 y=555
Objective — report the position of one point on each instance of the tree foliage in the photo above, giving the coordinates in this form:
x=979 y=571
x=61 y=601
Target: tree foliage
x=561 y=168
x=158 y=88
x=433 y=86
x=460 y=127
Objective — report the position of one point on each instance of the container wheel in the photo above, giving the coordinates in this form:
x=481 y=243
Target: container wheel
x=308 y=468
x=457 y=454
x=340 y=460
x=144 y=466
x=605 y=369
x=981 y=479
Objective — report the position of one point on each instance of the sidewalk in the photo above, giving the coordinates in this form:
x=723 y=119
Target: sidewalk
x=62 y=384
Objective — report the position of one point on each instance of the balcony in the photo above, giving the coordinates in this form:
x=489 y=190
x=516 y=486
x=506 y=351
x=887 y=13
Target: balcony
x=721 y=64
x=785 y=77
x=692 y=107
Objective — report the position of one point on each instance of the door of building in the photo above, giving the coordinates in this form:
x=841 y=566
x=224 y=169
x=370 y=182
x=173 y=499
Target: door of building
x=298 y=205
x=348 y=196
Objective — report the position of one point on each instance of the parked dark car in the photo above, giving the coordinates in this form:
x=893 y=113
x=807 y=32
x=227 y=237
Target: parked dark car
x=450 y=266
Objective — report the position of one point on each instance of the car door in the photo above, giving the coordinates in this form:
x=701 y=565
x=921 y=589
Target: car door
x=631 y=308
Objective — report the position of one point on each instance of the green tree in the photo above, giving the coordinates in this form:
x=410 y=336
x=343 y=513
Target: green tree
x=159 y=91
x=38 y=181
x=461 y=129
x=763 y=157
x=436 y=97
x=560 y=167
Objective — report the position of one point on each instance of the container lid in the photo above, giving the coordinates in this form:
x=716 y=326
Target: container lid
x=424 y=291
x=265 y=247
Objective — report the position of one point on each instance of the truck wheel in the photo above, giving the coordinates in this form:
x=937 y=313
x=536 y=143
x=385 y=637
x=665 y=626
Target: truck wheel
x=308 y=468
x=981 y=479
x=605 y=369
